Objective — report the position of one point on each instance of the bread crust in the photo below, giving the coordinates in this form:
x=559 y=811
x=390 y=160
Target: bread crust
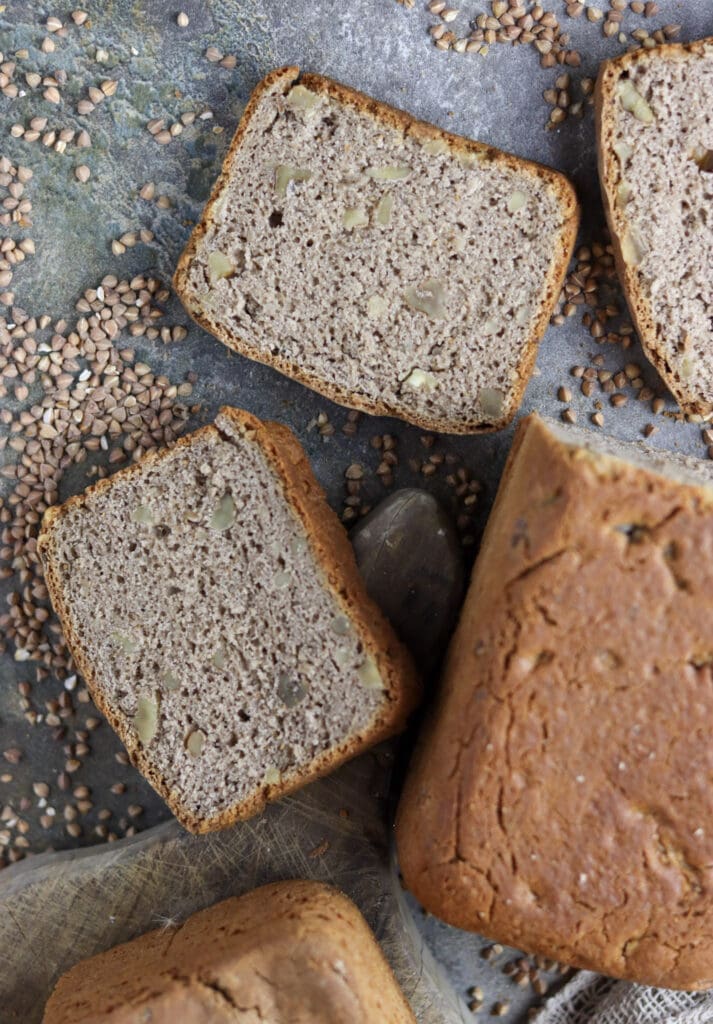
x=609 y=177
x=552 y=802
x=227 y=947
x=334 y=555
x=284 y=78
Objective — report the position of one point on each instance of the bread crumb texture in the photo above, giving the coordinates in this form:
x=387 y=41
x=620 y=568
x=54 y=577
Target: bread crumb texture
x=655 y=125
x=391 y=266
x=212 y=602
x=288 y=953
x=560 y=801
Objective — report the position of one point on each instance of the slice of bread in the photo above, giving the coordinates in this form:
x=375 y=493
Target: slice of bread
x=212 y=602
x=387 y=264
x=654 y=115
x=287 y=953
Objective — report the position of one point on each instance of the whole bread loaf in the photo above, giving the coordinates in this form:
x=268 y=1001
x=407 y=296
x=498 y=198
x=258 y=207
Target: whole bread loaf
x=655 y=137
x=211 y=600
x=288 y=953
x=393 y=267
x=561 y=798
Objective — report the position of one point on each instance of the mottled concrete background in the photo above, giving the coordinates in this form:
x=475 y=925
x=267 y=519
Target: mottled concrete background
x=374 y=45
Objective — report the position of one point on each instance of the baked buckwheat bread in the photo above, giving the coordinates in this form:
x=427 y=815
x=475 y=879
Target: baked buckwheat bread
x=212 y=602
x=288 y=953
x=654 y=114
x=561 y=798
x=391 y=266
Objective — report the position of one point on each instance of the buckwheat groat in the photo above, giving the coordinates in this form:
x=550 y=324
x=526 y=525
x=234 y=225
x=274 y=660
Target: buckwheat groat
x=211 y=600
x=561 y=801
x=287 y=953
x=387 y=264
x=655 y=136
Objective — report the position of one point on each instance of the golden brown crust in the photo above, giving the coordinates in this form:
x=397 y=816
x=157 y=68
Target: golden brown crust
x=241 y=952
x=609 y=176
x=334 y=555
x=420 y=129
x=553 y=804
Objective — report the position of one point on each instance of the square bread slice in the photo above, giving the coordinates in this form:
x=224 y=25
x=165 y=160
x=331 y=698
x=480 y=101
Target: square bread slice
x=211 y=600
x=654 y=116
x=391 y=266
x=288 y=953
x=561 y=799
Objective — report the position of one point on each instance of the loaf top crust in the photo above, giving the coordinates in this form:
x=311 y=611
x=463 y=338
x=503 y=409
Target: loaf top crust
x=391 y=266
x=560 y=800
x=295 y=952
x=654 y=118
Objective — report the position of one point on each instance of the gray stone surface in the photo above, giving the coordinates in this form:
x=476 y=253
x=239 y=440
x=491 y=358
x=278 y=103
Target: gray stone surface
x=375 y=45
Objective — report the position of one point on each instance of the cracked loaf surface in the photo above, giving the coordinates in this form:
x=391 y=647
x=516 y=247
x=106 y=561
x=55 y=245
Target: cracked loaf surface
x=387 y=264
x=561 y=797
x=289 y=953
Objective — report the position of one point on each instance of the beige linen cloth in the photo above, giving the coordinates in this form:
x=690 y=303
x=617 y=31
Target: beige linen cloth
x=591 y=999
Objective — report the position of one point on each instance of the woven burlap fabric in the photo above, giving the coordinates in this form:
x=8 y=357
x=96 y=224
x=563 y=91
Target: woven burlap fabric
x=591 y=999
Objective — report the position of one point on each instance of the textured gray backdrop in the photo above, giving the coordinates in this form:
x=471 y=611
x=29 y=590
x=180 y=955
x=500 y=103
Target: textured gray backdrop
x=374 y=45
